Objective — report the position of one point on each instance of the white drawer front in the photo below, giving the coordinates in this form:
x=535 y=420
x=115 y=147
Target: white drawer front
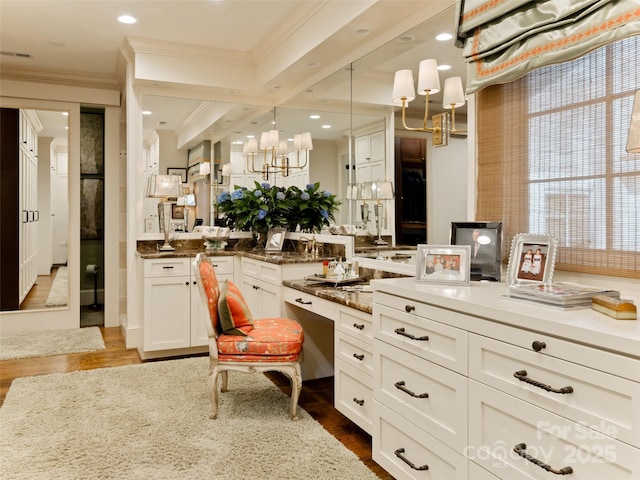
x=499 y=422
x=436 y=342
x=479 y=473
x=222 y=264
x=355 y=323
x=268 y=272
x=354 y=395
x=167 y=267
x=300 y=299
x=424 y=393
x=605 y=402
x=407 y=452
x=354 y=352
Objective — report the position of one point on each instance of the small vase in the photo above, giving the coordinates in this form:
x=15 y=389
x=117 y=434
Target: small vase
x=260 y=239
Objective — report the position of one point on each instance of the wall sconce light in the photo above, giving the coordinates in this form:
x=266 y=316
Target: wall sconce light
x=633 y=140
x=429 y=84
x=378 y=191
x=163 y=187
x=221 y=173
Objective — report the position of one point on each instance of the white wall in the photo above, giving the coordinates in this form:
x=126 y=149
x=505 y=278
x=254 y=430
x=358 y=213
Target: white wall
x=324 y=164
x=45 y=228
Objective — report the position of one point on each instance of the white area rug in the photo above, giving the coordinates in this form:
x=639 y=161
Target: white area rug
x=50 y=342
x=59 y=289
x=151 y=421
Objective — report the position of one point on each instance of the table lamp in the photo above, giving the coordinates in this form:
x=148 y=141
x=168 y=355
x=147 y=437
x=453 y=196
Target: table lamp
x=163 y=187
x=378 y=191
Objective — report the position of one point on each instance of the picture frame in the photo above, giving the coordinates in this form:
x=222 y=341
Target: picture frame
x=178 y=171
x=444 y=264
x=193 y=172
x=275 y=239
x=177 y=212
x=485 y=240
x=532 y=259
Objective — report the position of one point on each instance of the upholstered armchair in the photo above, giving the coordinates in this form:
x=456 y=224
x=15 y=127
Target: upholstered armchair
x=239 y=343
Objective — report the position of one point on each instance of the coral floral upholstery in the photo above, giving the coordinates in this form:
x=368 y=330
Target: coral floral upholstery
x=209 y=283
x=271 y=339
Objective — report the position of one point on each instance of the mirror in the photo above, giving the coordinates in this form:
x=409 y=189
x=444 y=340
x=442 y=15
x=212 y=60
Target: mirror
x=354 y=100
x=37 y=268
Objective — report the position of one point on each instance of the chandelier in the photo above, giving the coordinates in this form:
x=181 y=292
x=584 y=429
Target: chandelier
x=429 y=84
x=276 y=153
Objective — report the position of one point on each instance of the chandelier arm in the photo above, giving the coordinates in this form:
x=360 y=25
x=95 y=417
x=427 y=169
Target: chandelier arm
x=414 y=129
x=453 y=128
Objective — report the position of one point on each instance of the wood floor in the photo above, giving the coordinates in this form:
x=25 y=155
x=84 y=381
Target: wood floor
x=316 y=396
x=37 y=296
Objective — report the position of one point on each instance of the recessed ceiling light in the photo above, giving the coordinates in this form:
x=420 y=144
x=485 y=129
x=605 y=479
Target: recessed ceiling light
x=326 y=126
x=312 y=64
x=251 y=136
x=405 y=39
x=443 y=37
x=314 y=116
x=66 y=114
x=128 y=19
x=362 y=31
x=147 y=112
x=444 y=67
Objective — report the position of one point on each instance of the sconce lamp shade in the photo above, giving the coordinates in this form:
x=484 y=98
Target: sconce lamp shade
x=163 y=186
x=283 y=148
x=190 y=200
x=269 y=139
x=403 y=87
x=306 y=142
x=250 y=147
x=428 y=78
x=227 y=170
x=205 y=168
x=453 y=93
x=633 y=140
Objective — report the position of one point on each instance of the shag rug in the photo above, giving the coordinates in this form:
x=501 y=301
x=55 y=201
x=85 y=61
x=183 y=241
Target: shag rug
x=50 y=342
x=151 y=421
x=59 y=289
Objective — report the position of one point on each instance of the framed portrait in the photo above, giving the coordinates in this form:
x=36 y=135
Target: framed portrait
x=532 y=259
x=275 y=239
x=178 y=171
x=443 y=264
x=485 y=240
x=177 y=212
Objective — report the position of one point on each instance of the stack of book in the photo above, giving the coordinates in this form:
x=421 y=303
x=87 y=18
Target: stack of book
x=560 y=294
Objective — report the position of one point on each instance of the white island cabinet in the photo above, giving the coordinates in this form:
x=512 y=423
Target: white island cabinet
x=470 y=384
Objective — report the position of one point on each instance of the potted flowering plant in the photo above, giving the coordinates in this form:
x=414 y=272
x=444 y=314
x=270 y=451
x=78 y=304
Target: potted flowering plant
x=311 y=208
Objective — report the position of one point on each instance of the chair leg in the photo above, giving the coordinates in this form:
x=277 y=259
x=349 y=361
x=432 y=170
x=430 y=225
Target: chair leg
x=213 y=390
x=295 y=375
x=225 y=381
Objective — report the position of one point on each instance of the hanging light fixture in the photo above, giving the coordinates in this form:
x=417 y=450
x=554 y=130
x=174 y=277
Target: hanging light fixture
x=276 y=152
x=429 y=84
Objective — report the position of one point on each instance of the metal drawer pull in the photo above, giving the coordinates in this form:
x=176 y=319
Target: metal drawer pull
x=359 y=402
x=400 y=331
x=537 y=345
x=400 y=386
x=520 y=450
x=359 y=357
x=168 y=267
x=399 y=453
x=359 y=327
x=299 y=300
x=522 y=376
x=409 y=308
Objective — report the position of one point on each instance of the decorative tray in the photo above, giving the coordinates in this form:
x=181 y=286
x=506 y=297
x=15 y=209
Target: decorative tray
x=333 y=279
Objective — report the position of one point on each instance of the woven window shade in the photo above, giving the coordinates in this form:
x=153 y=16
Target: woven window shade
x=552 y=159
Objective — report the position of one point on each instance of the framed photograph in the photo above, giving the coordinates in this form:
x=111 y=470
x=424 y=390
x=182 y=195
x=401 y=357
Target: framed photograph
x=275 y=239
x=178 y=171
x=532 y=259
x=485 y=240
x=443 y=264
x=177 y=212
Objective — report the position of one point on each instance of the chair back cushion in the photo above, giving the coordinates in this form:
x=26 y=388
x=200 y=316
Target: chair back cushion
x=233 y=311
x=211 y=288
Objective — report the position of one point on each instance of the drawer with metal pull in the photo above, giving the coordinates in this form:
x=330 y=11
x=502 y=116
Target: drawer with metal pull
x=354 y=395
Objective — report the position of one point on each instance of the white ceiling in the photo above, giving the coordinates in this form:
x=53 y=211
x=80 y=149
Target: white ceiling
x=300 y=51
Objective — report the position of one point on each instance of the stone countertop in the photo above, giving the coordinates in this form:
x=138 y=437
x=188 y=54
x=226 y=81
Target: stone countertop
x=345 y=295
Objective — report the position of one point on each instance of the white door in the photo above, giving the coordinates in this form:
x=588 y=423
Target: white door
x=60 y=209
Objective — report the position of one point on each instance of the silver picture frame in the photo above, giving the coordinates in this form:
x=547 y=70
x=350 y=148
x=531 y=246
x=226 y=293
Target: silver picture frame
x=532 y=259
x=443 y=264
x=275 y=239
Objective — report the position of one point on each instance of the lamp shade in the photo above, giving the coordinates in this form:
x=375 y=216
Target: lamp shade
x=250 y=147
x=205 y=168
x=382 y=190
x=306 y=142
x=453 y=93
x=190 y=200
x=428 y=78
x=633 y=140
x=403 y=87
x=163 y=186
x=227 y=170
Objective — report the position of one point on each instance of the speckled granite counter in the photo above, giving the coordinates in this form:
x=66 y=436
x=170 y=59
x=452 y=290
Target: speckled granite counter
x=346 y=295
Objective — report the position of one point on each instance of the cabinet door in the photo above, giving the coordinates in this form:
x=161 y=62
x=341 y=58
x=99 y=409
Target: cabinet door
x=376 y=145
x=199 y=317
x=251 y=293
x=167 y=313
x=363 y=149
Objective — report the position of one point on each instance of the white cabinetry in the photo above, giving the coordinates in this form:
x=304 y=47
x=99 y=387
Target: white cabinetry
x=174 y=316
x=466 y=380
x=370 y=167
x=28 y=163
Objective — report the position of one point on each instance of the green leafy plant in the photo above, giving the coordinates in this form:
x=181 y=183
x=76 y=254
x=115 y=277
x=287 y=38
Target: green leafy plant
x=312 y=208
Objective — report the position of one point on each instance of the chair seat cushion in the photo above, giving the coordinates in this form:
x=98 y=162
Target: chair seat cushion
x=269 y=337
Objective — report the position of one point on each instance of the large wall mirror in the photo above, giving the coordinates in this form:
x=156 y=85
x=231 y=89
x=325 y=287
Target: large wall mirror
x=35 y=265
x=353 y=101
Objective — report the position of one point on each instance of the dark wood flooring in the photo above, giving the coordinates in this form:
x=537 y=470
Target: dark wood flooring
x=316 y=396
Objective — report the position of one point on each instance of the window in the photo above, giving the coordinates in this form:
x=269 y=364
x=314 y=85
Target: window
x=556 y=139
